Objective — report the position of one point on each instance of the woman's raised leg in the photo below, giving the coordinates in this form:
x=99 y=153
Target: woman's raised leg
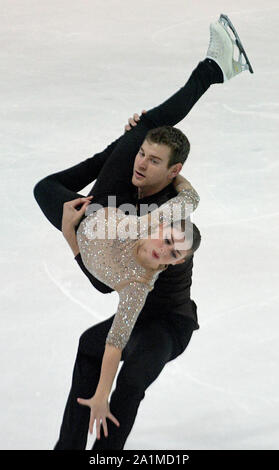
x=116 y=174
x=52 y=191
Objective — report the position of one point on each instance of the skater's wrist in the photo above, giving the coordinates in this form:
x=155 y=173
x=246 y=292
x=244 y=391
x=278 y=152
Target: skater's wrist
x=67 y=229
x=69 y=234
x=101 y=395
x=110 y=363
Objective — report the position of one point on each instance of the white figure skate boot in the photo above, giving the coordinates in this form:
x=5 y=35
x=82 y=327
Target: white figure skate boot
x=221 y=48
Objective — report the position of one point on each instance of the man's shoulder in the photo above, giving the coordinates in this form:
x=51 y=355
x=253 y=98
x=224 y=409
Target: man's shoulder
x=176 y=275
x=174 y=270
x=166 y=194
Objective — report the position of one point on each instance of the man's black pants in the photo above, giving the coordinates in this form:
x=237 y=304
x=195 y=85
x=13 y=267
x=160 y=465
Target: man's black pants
x=152 y=344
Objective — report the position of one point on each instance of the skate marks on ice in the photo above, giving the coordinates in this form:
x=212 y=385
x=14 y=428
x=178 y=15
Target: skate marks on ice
x=66 y=291
x=235 y=388
x=255 y=218
x=242 y=307
x=234 y=395
x=257 y=114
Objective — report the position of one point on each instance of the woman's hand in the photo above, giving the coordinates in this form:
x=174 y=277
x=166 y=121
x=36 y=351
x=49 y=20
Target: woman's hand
x=99 y=411
x=181 y=183
x=71 y=216
x=132 y=122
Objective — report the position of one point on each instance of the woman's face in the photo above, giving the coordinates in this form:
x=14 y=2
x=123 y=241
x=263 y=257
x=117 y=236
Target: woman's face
x=169 y=247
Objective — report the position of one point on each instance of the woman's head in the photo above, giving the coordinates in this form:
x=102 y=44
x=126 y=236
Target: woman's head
x=171 y=244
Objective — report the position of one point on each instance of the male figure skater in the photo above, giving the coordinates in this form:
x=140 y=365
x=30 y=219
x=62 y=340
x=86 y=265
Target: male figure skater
x=166 y=323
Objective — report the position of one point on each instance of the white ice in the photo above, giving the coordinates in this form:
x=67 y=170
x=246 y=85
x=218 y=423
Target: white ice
x=71 y=75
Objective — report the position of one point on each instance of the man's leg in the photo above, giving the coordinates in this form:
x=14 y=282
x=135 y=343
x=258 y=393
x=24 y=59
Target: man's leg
x=150 y=347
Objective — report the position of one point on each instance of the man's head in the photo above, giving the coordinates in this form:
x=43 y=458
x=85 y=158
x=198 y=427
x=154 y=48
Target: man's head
x=159 y=159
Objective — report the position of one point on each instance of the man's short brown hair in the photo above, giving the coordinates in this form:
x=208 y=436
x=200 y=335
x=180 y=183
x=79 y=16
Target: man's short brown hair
x=174 y=139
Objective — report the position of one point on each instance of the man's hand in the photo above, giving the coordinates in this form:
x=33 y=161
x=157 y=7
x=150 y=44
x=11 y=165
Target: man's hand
x=71 y=216
x=99 y=412
x=132 y=122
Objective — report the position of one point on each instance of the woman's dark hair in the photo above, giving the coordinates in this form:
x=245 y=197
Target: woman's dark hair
x=191 y=232
x=174 y=139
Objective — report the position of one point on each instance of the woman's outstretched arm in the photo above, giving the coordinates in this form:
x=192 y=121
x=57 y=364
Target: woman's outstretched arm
x=111 y=359
x=99 y=404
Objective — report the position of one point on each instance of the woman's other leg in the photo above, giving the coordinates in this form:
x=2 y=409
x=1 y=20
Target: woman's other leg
x=50 y=194
x=52 y=191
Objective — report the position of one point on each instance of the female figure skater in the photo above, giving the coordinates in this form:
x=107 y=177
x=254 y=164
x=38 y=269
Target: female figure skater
x=128 y=265
x=125 y=264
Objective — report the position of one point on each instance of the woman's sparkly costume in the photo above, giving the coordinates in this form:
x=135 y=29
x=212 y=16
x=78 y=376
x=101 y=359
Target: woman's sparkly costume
x=108 y=252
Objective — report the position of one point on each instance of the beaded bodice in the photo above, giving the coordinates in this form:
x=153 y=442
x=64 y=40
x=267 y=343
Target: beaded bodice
x=108 y=241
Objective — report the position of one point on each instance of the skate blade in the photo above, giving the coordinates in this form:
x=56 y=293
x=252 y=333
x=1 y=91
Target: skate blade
x=226 y=22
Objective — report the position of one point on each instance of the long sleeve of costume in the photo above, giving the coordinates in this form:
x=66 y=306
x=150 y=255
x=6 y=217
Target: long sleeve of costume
x=112 y=260
x=131 y=301
x=177 y=208
x=100 y=286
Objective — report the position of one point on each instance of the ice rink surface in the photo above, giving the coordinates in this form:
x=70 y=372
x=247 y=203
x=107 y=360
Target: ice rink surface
x=71 y=75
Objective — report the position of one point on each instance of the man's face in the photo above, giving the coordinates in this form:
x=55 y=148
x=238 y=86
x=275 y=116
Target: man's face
x=151 y=172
